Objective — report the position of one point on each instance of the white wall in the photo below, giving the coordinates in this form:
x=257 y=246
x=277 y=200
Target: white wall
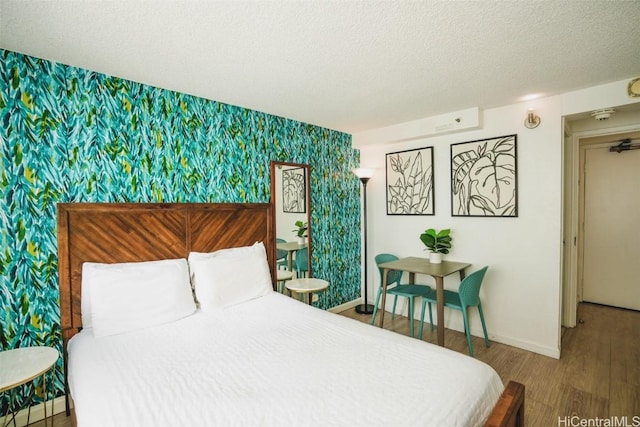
x=522 y=291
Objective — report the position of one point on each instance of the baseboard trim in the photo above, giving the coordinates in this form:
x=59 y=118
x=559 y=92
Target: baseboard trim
x=514 y=342
x=525 y=345
x=345 y=306
x=37 y=411
x=511 y=341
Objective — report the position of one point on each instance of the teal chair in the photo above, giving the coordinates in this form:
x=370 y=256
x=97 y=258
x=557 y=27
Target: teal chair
x=281 y=256
x=395 y=288
x=302 y=262
x=468 y=295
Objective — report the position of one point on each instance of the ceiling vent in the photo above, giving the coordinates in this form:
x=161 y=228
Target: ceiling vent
x=603 y=114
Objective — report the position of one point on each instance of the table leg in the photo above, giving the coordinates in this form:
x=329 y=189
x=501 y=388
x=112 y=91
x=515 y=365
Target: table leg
x=13 y=410
x=52 y=394
x=290 y=260
x=412 y=280
x=385 y=274
x=411 y=334
x=44 y=391
x=440 y=309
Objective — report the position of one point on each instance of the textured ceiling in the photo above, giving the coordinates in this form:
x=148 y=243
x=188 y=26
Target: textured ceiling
x=345 y=65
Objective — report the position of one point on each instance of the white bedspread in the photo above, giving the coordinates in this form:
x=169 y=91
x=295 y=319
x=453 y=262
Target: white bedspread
x=274 y=361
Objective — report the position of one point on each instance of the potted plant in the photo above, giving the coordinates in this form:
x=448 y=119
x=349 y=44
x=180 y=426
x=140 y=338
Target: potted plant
x=438 y=242
x=301 y=231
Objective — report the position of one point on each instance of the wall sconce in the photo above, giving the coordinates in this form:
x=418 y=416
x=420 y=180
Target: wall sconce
x=532 y=121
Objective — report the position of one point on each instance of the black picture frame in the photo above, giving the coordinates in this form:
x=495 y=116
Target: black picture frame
x=410 y=179
x=294 y=197
x=484 y=177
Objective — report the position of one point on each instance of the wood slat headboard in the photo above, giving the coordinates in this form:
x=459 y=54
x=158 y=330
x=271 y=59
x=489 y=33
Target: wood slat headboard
x=132 y=232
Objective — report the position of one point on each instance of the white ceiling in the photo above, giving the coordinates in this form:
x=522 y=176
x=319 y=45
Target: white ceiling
x=345 y=65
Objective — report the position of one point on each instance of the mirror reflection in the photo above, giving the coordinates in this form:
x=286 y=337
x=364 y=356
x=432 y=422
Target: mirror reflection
x=290 y=192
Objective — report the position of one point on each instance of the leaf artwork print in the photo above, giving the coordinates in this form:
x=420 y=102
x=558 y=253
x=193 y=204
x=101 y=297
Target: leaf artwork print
x=293 y=190
x=483 y=178
x=410 y=182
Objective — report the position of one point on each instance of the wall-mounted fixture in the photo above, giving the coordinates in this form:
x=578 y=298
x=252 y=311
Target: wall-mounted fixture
x=602 y=114
x=457 y=121
x=532 y=121
x=625 y=145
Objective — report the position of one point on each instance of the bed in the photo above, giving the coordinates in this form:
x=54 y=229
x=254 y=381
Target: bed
x=264 y=359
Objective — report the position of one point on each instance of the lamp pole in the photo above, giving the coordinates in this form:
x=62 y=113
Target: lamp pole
x=364 y=175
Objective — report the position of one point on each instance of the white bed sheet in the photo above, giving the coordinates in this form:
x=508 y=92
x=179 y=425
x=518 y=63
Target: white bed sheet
x=274 y=361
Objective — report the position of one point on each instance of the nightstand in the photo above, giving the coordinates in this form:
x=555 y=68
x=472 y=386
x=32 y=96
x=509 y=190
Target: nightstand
x=21 y=365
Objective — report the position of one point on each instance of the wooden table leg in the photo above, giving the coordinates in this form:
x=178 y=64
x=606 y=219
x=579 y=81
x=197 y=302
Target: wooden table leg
x=440 y=309
x=385 y=274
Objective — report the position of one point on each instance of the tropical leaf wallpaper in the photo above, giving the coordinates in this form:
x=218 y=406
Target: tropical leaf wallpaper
x=72 y=135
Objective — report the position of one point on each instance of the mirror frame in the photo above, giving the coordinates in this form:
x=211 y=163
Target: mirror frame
x=274 y=164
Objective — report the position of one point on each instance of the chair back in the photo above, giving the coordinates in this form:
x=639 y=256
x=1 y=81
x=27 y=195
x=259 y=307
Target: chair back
x=393 y=276
x=469 y=289
x=302 y=260
x=280 y=254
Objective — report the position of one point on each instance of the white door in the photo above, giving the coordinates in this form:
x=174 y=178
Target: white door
x=611 y=264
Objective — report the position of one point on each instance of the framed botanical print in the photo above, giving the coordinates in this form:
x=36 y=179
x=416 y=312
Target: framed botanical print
x=294 y=190
x=410 y=182
x=484 y=177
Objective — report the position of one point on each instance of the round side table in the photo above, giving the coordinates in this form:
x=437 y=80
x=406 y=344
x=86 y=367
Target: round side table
x=21 y=365
x=281 y=277
x=307 y=286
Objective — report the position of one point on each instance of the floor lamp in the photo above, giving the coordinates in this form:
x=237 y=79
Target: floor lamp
x=364 y=175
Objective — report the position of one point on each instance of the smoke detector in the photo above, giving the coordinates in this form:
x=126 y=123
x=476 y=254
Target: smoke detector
x=602 y=114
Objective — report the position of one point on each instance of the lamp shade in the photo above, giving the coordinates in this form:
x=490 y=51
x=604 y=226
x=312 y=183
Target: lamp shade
x=363 y=172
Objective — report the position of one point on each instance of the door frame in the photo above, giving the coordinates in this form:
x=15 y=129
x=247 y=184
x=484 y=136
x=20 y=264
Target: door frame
x=573 y=237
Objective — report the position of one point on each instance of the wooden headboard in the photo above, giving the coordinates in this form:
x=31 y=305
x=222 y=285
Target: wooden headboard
x=131 y=232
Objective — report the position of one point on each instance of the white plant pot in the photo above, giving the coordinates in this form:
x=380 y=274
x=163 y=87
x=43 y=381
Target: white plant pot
x=301 y=240
x=435 y=258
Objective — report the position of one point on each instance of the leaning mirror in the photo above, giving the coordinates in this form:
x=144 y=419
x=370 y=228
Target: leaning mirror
x=291 y=202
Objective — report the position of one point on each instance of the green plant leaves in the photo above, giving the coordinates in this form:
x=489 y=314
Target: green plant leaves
x=437 y=241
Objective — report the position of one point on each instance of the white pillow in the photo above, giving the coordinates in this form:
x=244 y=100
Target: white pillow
x=124 y=297
x=230 y=276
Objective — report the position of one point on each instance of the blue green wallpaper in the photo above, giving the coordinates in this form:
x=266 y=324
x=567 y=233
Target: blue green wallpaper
x=72 y=135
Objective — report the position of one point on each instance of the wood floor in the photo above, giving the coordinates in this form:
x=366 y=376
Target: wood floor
x=598 y=374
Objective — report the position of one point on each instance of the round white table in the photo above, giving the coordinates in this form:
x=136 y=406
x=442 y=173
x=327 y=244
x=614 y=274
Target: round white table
x=281 y=277
x=307 y=286
x=290 y=247
x=21 y=365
